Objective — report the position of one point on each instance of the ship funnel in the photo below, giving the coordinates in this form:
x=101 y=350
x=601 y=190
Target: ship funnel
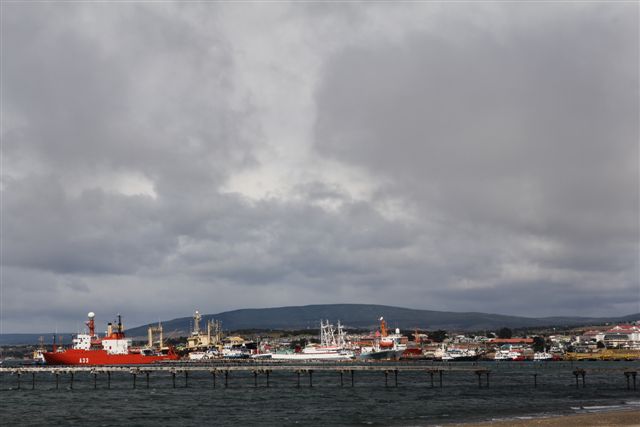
x=109 y=329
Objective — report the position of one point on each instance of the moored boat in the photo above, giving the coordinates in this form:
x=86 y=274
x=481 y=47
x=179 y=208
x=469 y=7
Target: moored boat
x=333 y=346
x=385 y=345
x=542 y=356
x=460 y=355
x=113 y=349
x=508 y=355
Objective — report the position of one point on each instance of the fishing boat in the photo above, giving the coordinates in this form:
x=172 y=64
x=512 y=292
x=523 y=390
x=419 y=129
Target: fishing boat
x=333 y=346
x=385 y=345
x=38 y=354
x=112 y=349
x=460 y=355
x=508 y=354
x=542 y=356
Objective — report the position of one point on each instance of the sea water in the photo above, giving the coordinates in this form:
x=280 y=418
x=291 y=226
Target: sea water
x=511 y=394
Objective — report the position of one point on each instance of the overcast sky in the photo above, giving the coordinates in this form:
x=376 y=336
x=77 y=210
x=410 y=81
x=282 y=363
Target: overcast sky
x=161 y=157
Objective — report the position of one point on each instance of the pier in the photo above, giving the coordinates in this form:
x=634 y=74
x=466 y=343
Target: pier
x=389 y=371
x=301 y=375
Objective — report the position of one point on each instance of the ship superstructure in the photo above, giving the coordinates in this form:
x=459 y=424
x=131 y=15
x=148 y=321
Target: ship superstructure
x=386 y=345
x=203 y=341
x=333 y=346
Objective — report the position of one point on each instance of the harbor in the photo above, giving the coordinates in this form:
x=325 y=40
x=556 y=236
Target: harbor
x=334 y=344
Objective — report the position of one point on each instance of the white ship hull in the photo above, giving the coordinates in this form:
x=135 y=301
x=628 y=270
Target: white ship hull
x=313 y=356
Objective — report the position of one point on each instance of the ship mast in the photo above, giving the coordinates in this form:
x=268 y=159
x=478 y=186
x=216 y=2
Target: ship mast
x=119 y=324
x=383 y=327
x=91 y=324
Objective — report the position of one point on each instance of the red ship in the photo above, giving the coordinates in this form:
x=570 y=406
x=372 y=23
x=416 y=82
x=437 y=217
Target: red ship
x=113 y=349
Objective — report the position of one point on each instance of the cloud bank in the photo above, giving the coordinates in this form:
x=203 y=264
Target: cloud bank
x=162 y=157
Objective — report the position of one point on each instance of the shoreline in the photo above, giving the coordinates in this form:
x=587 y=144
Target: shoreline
x=621 y=417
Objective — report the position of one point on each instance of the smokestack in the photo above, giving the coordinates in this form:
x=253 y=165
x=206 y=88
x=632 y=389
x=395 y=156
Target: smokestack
x=109 y=329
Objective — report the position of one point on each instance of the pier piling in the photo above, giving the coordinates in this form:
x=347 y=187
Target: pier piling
x=266 y=369
x=629 y=375
x=580 y=372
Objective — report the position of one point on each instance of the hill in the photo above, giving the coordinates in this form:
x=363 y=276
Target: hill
x=366 y=316
x=352 y=316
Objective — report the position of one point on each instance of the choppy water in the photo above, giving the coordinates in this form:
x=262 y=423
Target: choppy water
x=413 y=402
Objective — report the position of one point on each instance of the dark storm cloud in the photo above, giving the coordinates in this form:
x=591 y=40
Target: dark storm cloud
x=517 y=141
x=502 y=165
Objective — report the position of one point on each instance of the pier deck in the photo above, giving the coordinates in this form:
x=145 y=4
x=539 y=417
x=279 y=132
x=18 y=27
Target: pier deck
x=224 y=370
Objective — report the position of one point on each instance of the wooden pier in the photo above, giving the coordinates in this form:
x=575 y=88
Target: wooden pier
x=390 y=371
x=223 y=372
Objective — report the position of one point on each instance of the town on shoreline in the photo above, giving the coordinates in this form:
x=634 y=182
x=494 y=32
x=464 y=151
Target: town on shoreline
x=211 y=341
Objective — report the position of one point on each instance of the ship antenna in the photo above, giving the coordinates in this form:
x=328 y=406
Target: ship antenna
x=119 y=323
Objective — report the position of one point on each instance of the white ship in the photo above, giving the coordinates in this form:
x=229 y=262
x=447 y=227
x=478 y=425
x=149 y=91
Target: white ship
x=508 y=355
x=385 y=345
x=211 y=353
x=542 y=356
x=333 y=346
x=460 y=355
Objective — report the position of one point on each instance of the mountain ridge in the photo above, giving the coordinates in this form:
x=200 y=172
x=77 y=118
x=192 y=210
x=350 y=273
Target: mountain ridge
x=352 y=316
x=367 y=315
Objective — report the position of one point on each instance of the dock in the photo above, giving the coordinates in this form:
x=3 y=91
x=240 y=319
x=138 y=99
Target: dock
x=224 y=371
x=221 y=373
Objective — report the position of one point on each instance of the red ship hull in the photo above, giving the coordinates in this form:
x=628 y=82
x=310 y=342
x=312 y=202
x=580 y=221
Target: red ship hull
x=101 y=357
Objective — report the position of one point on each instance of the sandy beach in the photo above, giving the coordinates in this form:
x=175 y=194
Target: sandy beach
x=616 y=418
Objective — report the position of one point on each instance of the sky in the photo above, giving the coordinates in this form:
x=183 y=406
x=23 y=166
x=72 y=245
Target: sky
x=160 y=157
